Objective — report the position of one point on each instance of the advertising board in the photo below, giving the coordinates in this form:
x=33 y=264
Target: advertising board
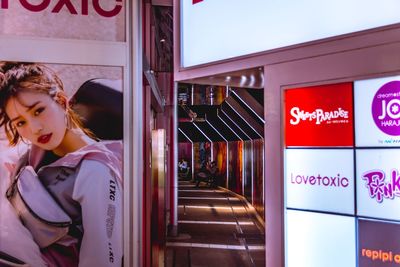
x=378 y=183
x=236 y=28
x=319 y=116
x=71 y=59
x=320 y=179
x=377 y=112
x=317 y=239
x=378 y=243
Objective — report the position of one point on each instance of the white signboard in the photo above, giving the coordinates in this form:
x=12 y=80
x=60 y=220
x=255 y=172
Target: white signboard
x=213 y=30
x=316 y=239
x=377 y=112
x=378 y=183
x=320 y=179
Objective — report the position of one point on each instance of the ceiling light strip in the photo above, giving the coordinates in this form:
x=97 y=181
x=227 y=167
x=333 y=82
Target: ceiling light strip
x=228 y=126
x=226 y=114
x=210 y=207
x=201 y=191
x=185 y=135
x=245 y=121
x=215 y=222
x=218 y=246
x=244 y=102
x=202 y=132
x=211 y=198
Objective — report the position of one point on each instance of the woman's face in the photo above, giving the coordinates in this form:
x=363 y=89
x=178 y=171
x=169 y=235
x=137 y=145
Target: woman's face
x=37 y=118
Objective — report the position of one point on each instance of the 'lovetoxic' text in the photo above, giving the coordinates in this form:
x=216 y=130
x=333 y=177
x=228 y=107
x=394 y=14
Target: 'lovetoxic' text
x=318 y=180
x=60 y=4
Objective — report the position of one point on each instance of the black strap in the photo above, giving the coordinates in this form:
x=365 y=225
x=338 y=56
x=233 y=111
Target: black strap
x=74 y=231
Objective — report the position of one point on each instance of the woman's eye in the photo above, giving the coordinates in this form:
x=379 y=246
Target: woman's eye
x=38 y=111
x=20 y=124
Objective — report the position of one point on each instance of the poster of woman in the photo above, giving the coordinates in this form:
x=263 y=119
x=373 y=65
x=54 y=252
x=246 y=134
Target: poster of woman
x=62 y=72
x=63 y=185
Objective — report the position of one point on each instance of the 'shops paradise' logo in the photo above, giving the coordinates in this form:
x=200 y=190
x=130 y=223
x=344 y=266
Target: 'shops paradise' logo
x=339 y=115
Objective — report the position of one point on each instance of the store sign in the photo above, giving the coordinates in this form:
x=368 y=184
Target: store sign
x=319 y=116
x=317 y=239
x=378 y=243
x=320 y=179
x=386 y=108
x=377 y=186
x=378 y=183
x=97 y=20
x=68 y=5
x=377 y=108
x=253 y=26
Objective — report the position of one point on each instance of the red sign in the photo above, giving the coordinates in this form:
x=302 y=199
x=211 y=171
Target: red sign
x=197 y=1
x=319 y=116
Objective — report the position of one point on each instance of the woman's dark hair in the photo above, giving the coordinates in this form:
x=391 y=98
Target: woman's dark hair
x=16 y=77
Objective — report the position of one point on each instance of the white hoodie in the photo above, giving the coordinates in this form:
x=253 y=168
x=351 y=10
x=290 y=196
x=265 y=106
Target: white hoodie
x=87 y=185
x=15 y=239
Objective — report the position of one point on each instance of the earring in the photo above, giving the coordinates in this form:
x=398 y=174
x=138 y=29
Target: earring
x=67 y=121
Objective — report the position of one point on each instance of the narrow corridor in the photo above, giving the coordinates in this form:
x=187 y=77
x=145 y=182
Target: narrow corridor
x=216 y=228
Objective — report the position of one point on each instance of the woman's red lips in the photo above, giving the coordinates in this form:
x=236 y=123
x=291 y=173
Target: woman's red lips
x=43 y=139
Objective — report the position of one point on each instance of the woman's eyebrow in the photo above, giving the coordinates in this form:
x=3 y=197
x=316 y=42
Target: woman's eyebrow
x=16 y=118
x=30 y=107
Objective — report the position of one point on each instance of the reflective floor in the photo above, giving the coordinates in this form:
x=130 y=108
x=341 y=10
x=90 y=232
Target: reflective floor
x=215 y=229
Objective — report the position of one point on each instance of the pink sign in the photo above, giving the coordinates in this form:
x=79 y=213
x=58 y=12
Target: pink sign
x=378 y=188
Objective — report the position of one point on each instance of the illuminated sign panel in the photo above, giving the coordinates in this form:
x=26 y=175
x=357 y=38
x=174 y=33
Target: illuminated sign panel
x=319 y=116
x=67 y=5
x=316 y=239
x=321 y=159
x=378 y=183
x=213 y=30
x=320 y=179
x=97 y=20
x=378 y=243
x=377 y=108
